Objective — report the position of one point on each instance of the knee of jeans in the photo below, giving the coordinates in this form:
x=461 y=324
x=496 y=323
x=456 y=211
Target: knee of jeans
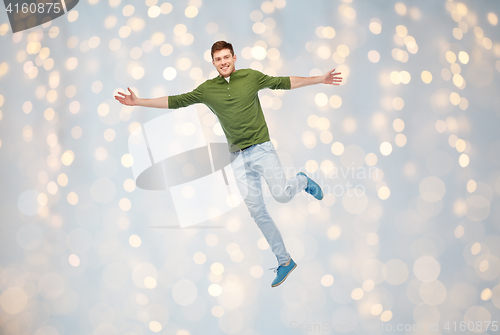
x=282 y=197
x=280 y=194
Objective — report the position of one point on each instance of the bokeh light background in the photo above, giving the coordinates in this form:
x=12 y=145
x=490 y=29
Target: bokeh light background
x=84 y=251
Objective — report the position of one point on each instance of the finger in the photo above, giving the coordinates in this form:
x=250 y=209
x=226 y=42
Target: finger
x=128 y=88
x=122 y=94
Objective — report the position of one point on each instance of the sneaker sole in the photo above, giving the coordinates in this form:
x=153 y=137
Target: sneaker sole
x=285 y=276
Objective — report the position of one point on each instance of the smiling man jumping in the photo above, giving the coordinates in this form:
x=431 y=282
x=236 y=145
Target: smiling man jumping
x=233 y=98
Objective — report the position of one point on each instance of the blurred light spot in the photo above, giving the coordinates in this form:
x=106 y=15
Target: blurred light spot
x=110 y=21
x=459 y=231
x=368 y=285
x=400 y=8
x=68 y=157
x=135 y=241
x=72 y=15
x=109 y=134
x=217 y=129
x=463 y=160
x=398 y=103
x=154 y=11
x=217 y=268
x=138 y=72
x=155 y=326
x=62 y=180
x=451 y=57
x=150 y=282
x=267 y=7
x=349 y=125
x=127 y=160
x=52 y=187
x=114 y=44
x=165 y=50
x=128 y=10
x=71 y=63
x=385 y=148
x=76 y=132
x=311 y=166
x=471 y=186
x=328 y=32
x=74 y=260
x=27 y=106
x=256 y=271
x=309 y=139
x=72 y=198
x=334 y=232
x=384 y=192
x=401 y=30
x=199 y=258
x=357 y=294
x=258 y=52
x=321 y=99
x=327 y=280
x=326 y=137
x=124 y=31
x=376 y=309
x=335 y=101
x=42 y=199
x=492 y=19
x=400 y=140
x=486 y=294
x=484 y=265
x=375 y=26
x=262 y=244
x=324 y=52
x=211 y=240
x=214 y=290
x=386 y=316
x=180 y=29
x=217 y=311
x=13 y=300
x=169 y=73
x=426 y=269
x=129 y=185
x=475 y=248
x=166 y=8
x=398 y=125
x=187 y=192
x=373 y=56
x=125 y=204
x=4 y=28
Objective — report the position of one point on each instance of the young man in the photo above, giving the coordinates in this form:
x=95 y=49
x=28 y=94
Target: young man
x=233 y=97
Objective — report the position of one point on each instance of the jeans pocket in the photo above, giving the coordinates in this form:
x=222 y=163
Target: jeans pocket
x=267 y=146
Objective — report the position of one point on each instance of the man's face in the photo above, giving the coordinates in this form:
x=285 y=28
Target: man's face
x=224 y=62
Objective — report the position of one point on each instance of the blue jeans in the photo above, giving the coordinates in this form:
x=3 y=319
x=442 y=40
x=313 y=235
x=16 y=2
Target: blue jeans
x=248 y=166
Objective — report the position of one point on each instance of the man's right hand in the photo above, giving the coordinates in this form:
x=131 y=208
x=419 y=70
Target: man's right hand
x=129 y=100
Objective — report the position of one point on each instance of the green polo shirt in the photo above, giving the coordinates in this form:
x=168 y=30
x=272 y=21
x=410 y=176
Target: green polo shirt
x=236 y=104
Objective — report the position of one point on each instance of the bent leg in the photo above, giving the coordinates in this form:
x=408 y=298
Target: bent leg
x=267 y=163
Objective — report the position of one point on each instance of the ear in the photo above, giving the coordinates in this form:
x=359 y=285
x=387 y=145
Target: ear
x=234 y=57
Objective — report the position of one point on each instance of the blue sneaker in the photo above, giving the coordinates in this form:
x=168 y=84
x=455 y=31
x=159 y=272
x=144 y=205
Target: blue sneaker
x=312 y=187
x=282 y=272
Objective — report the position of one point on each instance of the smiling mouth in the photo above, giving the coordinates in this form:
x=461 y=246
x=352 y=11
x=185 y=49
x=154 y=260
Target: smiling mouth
x=224 y=68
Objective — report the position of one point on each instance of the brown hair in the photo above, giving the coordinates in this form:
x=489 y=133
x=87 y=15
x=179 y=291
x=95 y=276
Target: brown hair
x=219 y=45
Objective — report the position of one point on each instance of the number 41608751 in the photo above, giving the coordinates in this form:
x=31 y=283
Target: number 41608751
x=471 y=326
x=34 y=8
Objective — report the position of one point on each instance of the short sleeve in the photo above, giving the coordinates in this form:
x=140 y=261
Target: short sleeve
x=186 y=99
x=274 y=83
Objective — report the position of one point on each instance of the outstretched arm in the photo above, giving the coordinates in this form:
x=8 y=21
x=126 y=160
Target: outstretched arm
x=132 y=100
x=331 y=78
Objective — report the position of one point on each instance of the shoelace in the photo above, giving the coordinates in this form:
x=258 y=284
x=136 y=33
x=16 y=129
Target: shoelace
x=275 y=270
